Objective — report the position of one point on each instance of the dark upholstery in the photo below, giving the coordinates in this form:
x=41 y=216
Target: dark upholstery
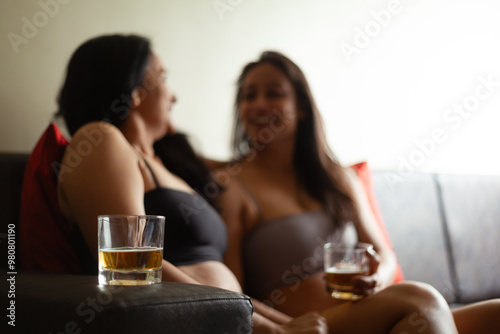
x=445 y=230
x=164 y=308
x=11 y=178
x=51 y=303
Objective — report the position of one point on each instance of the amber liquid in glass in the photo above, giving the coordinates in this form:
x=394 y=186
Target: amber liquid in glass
x=130 y=266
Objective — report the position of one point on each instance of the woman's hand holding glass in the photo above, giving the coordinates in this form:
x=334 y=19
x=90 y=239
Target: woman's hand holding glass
x=351 y=270
x=367 y=285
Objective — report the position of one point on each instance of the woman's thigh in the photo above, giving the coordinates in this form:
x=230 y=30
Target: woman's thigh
x=482 y=317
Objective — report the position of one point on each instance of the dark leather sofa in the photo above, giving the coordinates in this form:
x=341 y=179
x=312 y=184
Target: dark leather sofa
x=52 y=303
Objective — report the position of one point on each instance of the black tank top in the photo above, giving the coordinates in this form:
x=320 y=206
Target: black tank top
x=194 y=230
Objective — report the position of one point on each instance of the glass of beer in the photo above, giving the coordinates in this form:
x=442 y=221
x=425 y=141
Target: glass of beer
x=130 y=249
x=343 y=262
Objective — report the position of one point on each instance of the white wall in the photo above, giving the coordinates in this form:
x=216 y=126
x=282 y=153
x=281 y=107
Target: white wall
x=390 y=77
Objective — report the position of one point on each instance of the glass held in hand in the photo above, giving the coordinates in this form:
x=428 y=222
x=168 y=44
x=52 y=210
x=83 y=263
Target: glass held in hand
x=342 y=262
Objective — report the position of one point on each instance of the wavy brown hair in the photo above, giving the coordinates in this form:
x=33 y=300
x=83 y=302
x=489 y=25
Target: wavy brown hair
x=318 y=170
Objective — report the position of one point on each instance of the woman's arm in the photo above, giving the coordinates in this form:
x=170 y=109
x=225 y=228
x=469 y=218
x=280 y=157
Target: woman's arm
x=171 y=273
x=368 y=231
x=100 y=175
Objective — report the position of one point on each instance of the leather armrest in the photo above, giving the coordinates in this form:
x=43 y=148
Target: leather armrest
x=53 y=303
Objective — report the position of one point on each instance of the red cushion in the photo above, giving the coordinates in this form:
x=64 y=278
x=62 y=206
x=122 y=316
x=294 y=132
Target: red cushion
x=365 y=176
x=47 y=241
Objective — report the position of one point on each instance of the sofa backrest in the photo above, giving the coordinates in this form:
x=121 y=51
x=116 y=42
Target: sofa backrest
x=445 y=230
x=12 y=167
x=412 y=215
x=471 y=204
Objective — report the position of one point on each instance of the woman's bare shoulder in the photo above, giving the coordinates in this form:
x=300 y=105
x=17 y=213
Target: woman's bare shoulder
x=238 y=206
x=350 y=175
x=354 y=182
x=227 y=174
x=98 y=139
x=97 y=147
x=96 y=135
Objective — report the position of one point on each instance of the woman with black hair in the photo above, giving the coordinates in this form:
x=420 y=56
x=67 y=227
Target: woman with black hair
x=286 y=195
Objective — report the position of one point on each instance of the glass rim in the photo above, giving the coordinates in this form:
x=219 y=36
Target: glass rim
x=133 y=216
x=358 y=245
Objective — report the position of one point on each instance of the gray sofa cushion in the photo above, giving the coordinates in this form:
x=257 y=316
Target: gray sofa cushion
x=472 y=210
x=412 y=215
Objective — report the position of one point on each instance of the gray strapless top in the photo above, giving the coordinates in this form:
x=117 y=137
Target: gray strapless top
x=288 y=249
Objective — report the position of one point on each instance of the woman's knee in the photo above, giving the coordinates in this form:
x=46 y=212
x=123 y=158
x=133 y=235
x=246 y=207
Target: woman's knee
x=418 y=295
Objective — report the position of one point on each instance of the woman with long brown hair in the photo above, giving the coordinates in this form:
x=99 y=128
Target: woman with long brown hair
x=286 y=195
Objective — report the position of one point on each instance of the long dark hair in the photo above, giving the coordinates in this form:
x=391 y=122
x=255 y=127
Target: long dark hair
x=318 y=170
x=100 y=79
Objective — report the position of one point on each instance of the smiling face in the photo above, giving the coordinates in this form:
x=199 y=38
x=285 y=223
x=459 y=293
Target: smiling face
x=268 y=105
